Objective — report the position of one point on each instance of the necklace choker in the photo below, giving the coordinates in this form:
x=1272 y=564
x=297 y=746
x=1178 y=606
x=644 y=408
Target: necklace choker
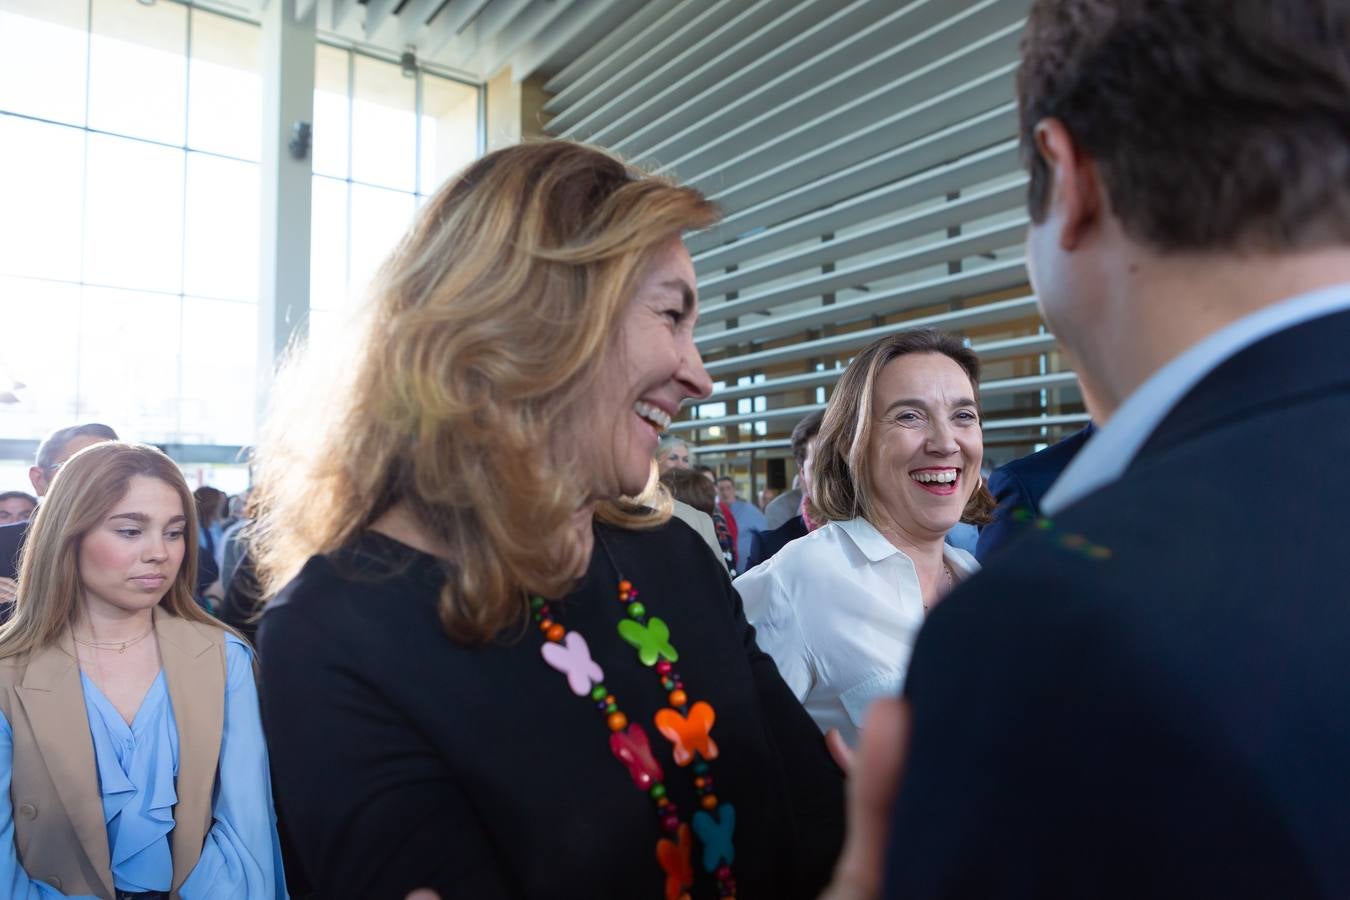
x=119 y=646
x=684 y=722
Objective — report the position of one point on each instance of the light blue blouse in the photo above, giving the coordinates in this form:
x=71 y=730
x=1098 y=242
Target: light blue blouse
x=137 y=768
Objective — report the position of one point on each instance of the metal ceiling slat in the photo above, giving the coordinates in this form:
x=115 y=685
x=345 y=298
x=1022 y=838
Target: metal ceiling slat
x=986 y=132
x=412 y=20
x=343 y=14
x=783 y=413
x=377 y=11
x=590 y=67
x=717 y=53
x=541 y=47
x=926 y=293
x=700 y=110
x=1019 y=346
x=941 y=181
x=497 y=15
x=1036 y=422
x=953 y=213
x=503 y=45
x=449 y=22
x=797 y=413
x=870 y=88
x=840 y=108
x=829 y=157
x=661 y=42
x=711 y=449
x=956 y=320
x=963 y=246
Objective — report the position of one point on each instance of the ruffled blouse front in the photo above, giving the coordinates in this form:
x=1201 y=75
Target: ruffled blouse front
x=137 y=767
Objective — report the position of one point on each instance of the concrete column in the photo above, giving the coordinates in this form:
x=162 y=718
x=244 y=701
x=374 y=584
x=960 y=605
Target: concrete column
x=288 y=99
x=514 y=110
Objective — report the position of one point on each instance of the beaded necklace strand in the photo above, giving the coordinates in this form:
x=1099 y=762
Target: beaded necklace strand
x=685 y=725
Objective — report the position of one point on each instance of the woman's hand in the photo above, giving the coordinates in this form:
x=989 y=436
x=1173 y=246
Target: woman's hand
x=9 y=589
x=873 y=783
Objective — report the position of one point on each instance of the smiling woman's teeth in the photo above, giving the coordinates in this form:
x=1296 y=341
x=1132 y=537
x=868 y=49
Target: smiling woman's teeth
x=946 y=477
x=652 y=414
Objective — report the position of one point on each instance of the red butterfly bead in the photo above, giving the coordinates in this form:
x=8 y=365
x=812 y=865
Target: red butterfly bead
x=632 y=748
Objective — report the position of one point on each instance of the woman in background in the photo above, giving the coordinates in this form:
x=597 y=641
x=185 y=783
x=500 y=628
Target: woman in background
x=131 y=747
x=895 y=466
x=494 y=673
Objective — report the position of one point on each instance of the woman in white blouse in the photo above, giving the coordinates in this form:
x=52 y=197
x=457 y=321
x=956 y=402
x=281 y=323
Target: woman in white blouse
x=896 y=465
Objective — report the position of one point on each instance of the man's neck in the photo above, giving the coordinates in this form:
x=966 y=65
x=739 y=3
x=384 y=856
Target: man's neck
x=1167 y=304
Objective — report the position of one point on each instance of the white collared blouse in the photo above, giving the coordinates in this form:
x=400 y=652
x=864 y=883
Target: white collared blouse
x=838 y=610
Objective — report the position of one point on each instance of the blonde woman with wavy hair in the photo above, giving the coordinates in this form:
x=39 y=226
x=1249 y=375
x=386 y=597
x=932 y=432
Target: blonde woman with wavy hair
x=895 y=466
x=463 y=689
x=132 y=760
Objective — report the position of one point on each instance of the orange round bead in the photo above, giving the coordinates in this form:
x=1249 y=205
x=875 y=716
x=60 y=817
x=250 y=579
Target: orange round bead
x=617 y=721
x=545 y=625
x=678 y=698
x=556 y=633
x=709 y=801
x=625 y=586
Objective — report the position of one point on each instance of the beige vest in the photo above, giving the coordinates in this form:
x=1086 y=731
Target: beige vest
x=58 y=811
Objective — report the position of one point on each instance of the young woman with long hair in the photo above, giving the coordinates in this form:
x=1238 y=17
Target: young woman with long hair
x=131 y=748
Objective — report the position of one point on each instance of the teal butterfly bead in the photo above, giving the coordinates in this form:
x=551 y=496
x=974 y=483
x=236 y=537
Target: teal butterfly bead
x=715 y=835
x=651 y=640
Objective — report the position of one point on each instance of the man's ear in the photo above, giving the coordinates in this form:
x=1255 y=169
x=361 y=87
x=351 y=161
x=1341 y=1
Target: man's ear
x=1077 y=197
x=39 y=479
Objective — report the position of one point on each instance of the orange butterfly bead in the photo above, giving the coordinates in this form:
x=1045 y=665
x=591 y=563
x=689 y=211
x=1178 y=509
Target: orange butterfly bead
x=674 y=860
x=689 y=735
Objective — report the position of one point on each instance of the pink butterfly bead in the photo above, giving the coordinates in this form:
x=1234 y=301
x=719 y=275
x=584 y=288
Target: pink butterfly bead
x=573 y=658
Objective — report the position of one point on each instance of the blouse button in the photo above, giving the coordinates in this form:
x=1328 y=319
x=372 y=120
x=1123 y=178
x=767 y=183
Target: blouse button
x=28 y=811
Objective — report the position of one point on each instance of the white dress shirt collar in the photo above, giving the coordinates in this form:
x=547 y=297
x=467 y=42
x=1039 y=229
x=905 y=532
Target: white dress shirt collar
x=874 y=545
x=1106 y=455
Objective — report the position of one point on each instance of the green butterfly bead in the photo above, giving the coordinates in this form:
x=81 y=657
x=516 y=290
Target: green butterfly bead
x=651 y=640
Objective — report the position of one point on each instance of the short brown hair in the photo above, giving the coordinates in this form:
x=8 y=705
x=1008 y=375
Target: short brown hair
x=1215 y=124
x=839 y=474
x=692 y=487
x=802 y=434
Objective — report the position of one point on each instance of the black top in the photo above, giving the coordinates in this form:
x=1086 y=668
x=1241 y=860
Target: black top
x=405 y=760
x=1150 y=697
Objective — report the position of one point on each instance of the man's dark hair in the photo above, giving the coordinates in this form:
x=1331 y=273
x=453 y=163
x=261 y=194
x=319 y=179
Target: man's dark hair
x=806 y=429
x=18 y=495
x=1215 y=124
x=51 y=448
x=726 y=478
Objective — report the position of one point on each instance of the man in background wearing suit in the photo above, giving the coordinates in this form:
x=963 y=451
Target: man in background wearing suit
x=1151 y=697
x=1018 y=486
x=764 y=544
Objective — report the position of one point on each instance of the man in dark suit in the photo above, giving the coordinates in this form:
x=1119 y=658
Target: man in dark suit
x=1018 y=487
x=1151 y=696
x=764 y=544
x=52 y=453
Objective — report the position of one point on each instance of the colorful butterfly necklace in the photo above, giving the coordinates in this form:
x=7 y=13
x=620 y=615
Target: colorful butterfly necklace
x=685 y=725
